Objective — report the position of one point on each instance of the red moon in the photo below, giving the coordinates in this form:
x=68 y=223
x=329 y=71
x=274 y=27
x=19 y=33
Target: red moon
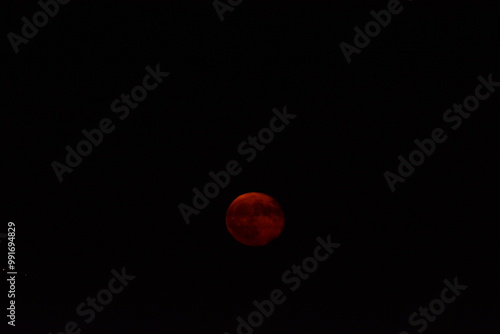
x=255 y=219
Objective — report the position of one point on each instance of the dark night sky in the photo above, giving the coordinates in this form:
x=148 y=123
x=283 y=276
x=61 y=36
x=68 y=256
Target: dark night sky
x=119 y=207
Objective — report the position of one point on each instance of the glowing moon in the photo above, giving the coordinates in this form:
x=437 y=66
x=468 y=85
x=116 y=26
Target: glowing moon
x=254 y=219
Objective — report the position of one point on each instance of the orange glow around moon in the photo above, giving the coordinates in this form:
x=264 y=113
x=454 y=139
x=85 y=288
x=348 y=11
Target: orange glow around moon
x=254 y=219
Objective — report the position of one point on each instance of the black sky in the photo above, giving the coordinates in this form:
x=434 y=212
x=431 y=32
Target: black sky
x=119 y=207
